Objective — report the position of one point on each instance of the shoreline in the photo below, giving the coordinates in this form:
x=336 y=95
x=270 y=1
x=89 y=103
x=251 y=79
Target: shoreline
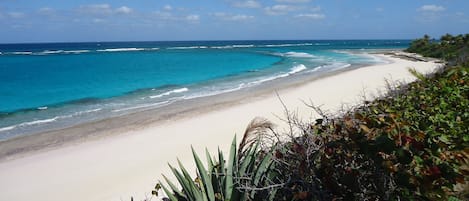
x=21 y=146
x=129 y=162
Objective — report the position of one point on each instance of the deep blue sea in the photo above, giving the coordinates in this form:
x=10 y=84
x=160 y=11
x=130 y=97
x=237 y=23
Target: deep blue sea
x=55 y=85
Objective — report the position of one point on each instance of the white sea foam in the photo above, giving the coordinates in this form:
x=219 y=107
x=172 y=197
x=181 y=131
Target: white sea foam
x=121 y=49
x=185 y=48
x=142 y=106
x=7 y=128
x=299 y=55
x=336 y=65
x=242 y=46
x=222 y=47
x=293 y=70
x=170 y=92
x=45 y=121
x=86 y=112
x=42 y=121
x=213 y=93
x=75 y=51
x=297 y=69
x=52 y=52
x=22 y=53
x=319 y=44
x=42 y=108
x=289 y=45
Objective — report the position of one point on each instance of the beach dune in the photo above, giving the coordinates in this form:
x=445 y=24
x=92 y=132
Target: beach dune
x=130 y=163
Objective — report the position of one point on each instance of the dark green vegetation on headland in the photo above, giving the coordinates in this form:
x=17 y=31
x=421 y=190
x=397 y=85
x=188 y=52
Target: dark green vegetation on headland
x=412 y=144
x=454 y=49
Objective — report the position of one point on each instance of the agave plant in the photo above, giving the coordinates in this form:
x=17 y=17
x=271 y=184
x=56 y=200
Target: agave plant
x=246 y=175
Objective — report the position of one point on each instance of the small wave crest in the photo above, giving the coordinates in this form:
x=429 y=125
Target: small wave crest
x=52 y=51
x=22 y=53
x=299 y=55
x=180 y=90
x=75 y=51
x=121 y=49
x=333 y=66
x=50 y=120
x=297 y=69
x=289 y=45
x=186 y=48
x=293 y=70
x=322 y=44
x=242 y=46
x=142 y=106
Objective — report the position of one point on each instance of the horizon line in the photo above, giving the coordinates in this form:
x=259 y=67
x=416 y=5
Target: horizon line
x=143 y=41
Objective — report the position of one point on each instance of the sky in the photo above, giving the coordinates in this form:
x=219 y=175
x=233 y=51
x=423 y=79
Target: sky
x=24 y=21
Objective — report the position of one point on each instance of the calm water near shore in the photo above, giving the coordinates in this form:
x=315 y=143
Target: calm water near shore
x=50 y=86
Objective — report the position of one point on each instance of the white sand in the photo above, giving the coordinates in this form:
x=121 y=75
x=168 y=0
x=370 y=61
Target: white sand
x=114 y=168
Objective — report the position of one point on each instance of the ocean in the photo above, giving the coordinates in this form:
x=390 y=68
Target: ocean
x=47 y=86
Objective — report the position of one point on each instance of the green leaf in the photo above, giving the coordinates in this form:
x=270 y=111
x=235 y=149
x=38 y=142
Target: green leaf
x=173 y=187
x=196 y=192
x=262 y=168
x=229 y=186
x=168 y=192
x=204 y=175
x=185 y=184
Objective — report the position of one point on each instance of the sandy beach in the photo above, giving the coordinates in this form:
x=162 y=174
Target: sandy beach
x=126 y=156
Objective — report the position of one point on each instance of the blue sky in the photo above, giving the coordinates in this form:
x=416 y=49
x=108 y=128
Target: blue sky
x=155 y=20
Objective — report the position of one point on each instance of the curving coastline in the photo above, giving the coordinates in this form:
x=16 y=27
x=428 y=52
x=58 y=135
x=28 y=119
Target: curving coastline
x=131 y=147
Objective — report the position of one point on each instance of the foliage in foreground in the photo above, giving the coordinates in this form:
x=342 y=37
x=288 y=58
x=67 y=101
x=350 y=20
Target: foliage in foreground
x=245 y=175
x=412 y=145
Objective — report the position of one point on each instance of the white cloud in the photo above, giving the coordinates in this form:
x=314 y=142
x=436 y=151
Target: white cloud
x=45 y=10
x=293 y=1
x=247 y=4
x=314 y=16
x=192 y=18
x=98 y=20
x=124 y=10
x=233 y=17
x=316 y=9
x=167 y=7
x=279 y=9
x=96 y=9
x=16 y=15
x=163 y=15
x=431 y=8
x=241 y=17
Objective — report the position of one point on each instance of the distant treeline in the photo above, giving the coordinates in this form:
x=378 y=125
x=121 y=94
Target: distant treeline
x=454 y=49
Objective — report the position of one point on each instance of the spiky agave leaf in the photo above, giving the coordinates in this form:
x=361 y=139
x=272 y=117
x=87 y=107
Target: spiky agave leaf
x=206 y=181
x=223 y=177
x=173 y=188
x=229 y=186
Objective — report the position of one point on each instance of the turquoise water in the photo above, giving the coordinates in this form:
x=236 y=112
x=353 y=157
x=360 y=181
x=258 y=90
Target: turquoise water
x=48 y=86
